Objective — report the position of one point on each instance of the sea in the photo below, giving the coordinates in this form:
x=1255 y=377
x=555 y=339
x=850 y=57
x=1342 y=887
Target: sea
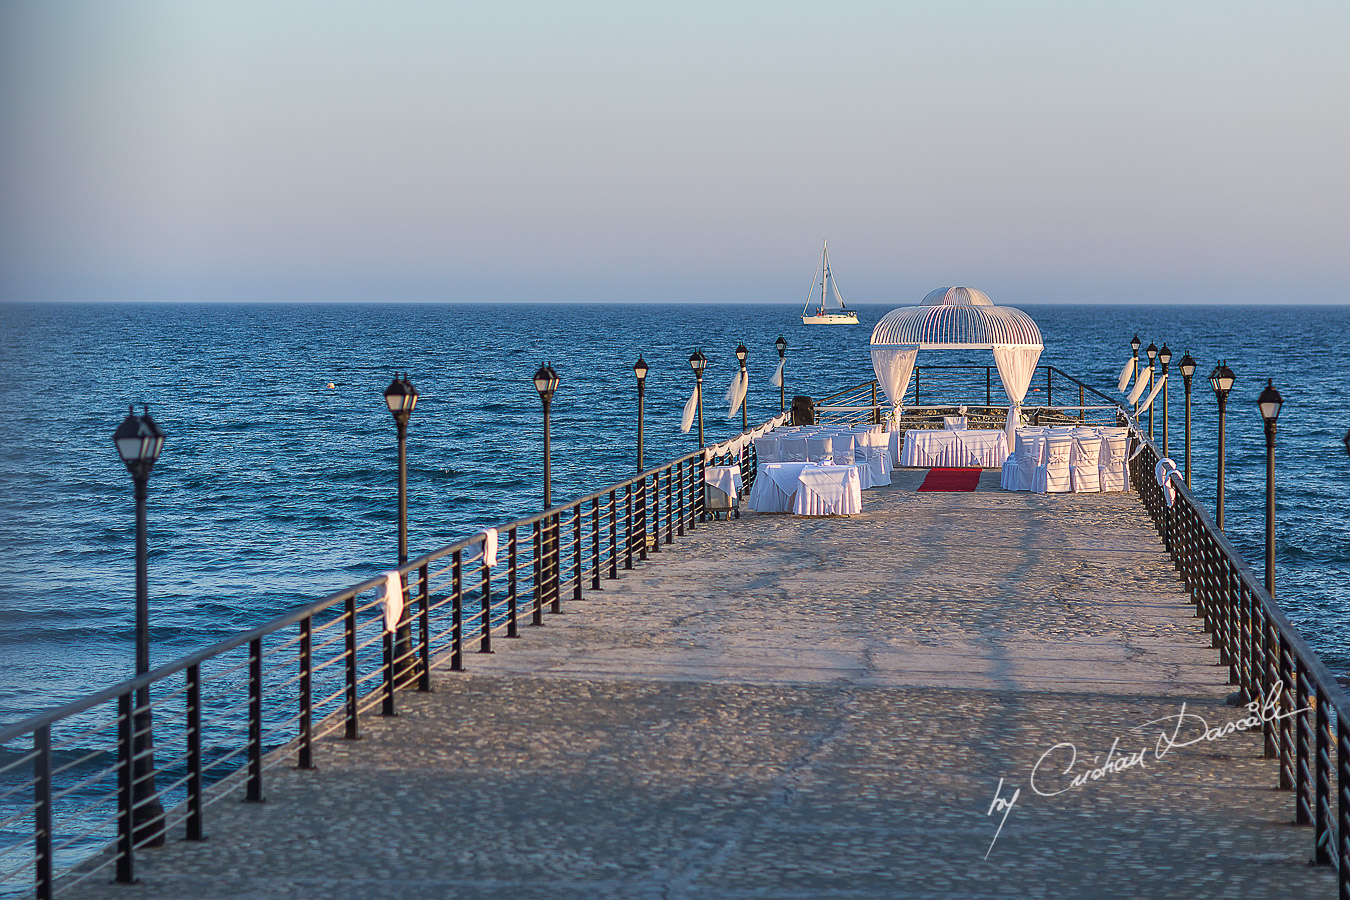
x=277 y=483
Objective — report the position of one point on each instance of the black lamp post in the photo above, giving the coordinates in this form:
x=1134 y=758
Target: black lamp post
x=138 y=440
x=1135 y=344
x=1165 y=357
x=546 y=382
x=1270 y=402
x=1187 y=367
x=401 y=398
x=1152 y=351
x=640 y=370
x=698 y=362
x=741 y=354
x=1221 y=379
x=1346 y=440
x=782 y=391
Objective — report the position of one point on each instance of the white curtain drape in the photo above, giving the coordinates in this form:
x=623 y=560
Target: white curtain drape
x=894 y=364
x=1143 y=407
x=1016 y=364
x=777 y=380
x=690 y=407
x=1125 y=375
x=740 y=382
x=1139 y=387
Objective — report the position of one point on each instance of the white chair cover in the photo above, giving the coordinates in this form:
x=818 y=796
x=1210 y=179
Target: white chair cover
x=766 y=449
x=955 y=423
x=1032 y=459
x=1052 y=476
x=792 y=449
x=1084 y=466
x=819 y=447
x=1114 y=470
x=844 y=445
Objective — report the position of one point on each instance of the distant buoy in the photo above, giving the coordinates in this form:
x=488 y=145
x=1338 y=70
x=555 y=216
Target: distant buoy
x=330 y=385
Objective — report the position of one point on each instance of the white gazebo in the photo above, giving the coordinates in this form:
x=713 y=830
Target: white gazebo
x=957 y=318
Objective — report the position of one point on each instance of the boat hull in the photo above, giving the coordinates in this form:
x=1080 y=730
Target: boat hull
x=849 y=318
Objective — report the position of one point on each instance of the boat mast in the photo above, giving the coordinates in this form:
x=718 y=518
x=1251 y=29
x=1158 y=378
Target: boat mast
x=824 y=273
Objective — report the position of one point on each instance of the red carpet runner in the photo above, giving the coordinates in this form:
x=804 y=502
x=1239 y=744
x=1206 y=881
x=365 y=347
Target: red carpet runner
x=951 y=480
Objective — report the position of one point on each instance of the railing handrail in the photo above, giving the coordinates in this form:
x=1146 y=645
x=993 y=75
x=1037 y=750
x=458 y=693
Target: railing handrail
x=43 y=719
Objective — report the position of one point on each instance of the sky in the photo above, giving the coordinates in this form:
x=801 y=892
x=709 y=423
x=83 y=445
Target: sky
x=590 y=151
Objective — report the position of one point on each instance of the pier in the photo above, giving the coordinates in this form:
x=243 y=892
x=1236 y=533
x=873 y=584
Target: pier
x=786 y=707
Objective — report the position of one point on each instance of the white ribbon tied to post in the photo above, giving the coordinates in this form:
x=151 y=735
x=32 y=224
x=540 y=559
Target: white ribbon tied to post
x=690 y=407
x=740 y=382
x=777 y=380
x=1123 y=381
x=489 y=555
x=393 y=600
x=1152 y=395
x=1163 y=472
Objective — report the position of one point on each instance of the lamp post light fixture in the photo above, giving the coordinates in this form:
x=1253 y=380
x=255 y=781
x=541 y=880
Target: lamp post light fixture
x=1187 y=367
x=401 y=398
x=1221 y=379
x=138 y=440
x=1270 y=402
x=1135 y=344
x=741 y=354
x=546 y=382
x=782 y=391
x=640 y=370
x=1165 y=357
x=1152 y=351
x=698 y=362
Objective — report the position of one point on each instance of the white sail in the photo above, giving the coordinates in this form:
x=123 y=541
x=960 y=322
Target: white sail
x=829 y=303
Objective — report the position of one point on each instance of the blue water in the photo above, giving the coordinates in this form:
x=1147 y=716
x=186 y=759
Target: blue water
x=274 y=489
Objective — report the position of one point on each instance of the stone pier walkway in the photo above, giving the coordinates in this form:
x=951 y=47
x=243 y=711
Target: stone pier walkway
x=787 y=708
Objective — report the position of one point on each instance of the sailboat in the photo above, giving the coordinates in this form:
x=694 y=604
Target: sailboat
x=830 y=309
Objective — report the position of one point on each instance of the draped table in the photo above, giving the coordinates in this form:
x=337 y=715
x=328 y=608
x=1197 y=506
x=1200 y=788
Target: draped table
x=806 y=489
x=985 y=448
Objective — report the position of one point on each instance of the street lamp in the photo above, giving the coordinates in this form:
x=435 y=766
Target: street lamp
x=782 y=391
x=1221 y=379
x=1152 y=351
x=1187 y=367
x=1135 y=344
x=138 y=440
x=546 y=382
x=640 y=370
x=698 y=362
x=1270 y=402
x=401 y=398
x=741 y=354
x=1165 y=357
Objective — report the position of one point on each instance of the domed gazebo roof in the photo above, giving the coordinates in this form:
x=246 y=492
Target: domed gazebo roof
x=957 y=318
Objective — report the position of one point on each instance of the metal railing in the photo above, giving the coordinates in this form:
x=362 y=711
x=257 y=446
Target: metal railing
x=82 y=793
x=946 y=387
x=1267 y=660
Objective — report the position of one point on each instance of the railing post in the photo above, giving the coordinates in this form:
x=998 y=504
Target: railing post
x=1082 y=401
x=1302 y=794
x=353 y=731
x=1288 y=703
x=578 y=566
x=387 y=685
x=701 y=498
x=253 y=792
x=457 y=612
x=195 y=829
x=628 y=526
x=656 y=515
x=485 y=607
x=613 y=534
x=126 y=751
x=424 y=627
x=1322 y=805
x=512 y=613
x=306 y=732
x=1049 y=387
x=595 y=544
x=42 y=811
x=555 y=572
x=670 y=478
x=988 y=387
x=680 y=491
x=537 y=613
x=1343 y=805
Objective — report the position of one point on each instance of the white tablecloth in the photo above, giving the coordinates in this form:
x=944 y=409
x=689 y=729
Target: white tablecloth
x=986 y=448
x=828 y=491
x=726 y=479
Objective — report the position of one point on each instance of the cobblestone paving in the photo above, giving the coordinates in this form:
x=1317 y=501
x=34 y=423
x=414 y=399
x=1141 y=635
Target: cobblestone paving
x=785 y=708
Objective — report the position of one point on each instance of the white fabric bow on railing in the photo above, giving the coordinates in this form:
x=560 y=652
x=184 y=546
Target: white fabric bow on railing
x=393 y=599
x=1126 y=374
x=1163 y=472
x=1143 y=407
x=690 y=407
x=1140 y=385
x=740 y=382
x=489 y=554
x=777 y=380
